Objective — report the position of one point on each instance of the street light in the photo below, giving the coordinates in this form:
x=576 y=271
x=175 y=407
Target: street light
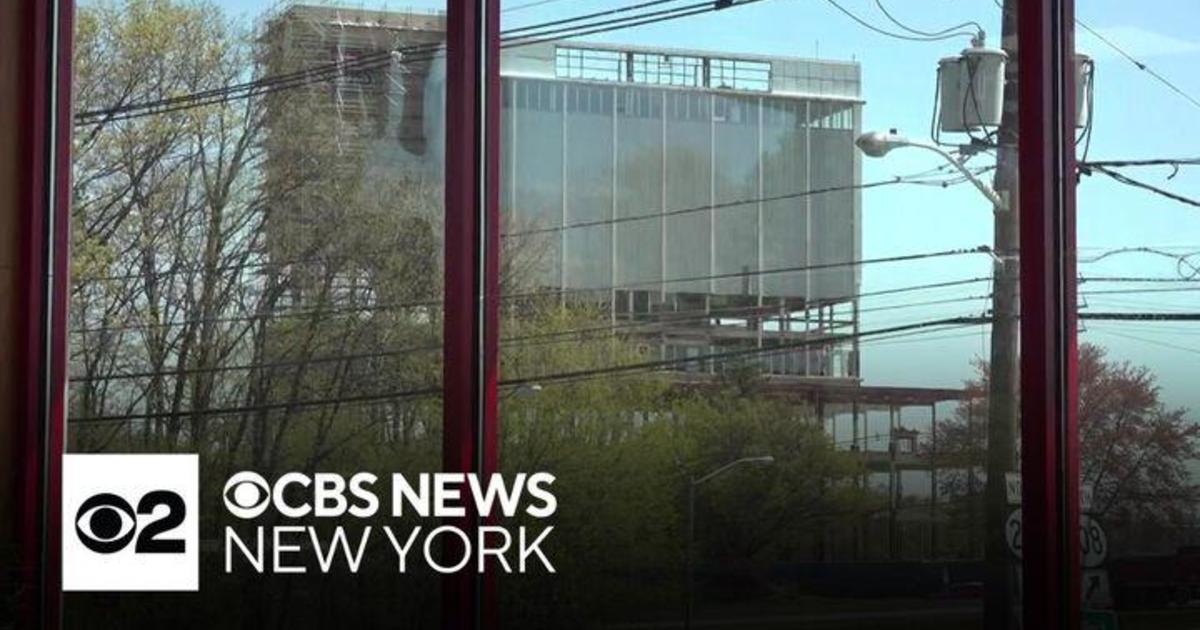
x=1002 y=376
x=878 y=144
x=693 y=482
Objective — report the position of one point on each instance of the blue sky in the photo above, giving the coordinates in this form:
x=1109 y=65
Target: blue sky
x=1136 y=117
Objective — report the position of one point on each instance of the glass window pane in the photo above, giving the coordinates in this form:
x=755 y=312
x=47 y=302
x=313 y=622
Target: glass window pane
x=1136 y=239
x=257 y=278
x=738 y=285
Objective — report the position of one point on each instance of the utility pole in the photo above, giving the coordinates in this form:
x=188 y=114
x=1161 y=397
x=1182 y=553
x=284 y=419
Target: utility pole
x=998 y=604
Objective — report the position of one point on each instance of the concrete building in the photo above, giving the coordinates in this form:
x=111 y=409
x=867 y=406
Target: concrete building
x=714 y=193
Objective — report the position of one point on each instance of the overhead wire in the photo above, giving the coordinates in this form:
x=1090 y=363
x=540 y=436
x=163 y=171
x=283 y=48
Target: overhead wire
x=358 y=310
x=1140 y=64
x=896 y=180
x=1129 y=57
x=1129 y=181
x=1192 y=161
x=915 y=31
x=590 y=373
x=1184 y=267
x=711 y=206
x=554 y=377
x=915 y=38
x=587 y=16
x=632 y=328
x=528 y=5
x=556 y=292
x=666 y=318
x=419 y=52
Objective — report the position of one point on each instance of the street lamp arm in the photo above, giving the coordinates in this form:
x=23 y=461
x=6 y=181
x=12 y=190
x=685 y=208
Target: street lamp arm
x=766 y=459
x=878 y=144
x=695 y=482
x=987 y=191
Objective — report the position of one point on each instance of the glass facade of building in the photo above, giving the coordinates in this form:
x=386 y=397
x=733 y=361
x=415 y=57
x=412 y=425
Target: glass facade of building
x=652 y=194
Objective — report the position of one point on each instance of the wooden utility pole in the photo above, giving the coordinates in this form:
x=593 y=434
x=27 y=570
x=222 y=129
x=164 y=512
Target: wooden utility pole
x=999 y=594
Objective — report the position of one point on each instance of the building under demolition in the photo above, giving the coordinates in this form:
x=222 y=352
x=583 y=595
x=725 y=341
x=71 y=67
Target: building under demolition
x=713 y=193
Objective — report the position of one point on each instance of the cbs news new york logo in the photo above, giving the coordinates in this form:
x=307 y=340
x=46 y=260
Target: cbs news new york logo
x=130 y=523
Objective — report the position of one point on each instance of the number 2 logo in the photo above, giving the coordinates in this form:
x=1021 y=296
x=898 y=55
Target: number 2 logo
x=106 y=523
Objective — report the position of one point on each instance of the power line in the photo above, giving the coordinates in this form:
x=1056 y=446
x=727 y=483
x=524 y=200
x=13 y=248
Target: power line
x=1153 y=342
x=887 y=341
x=357 y=310
x=915 y=31
x=385 y=307
x=249 y=88
x=528 y=5
x=557 y=377
x=671 y=317
x=1146 y=162
x=1191 y=273
x=733 y=354
x=646 y=366
x=1125 y=179
x=896 y=180
x=1164 y=328
x=1141 y=317
x=510 y=40
x=1184 y=266
x=295 y=79
x=1133 y=279
x=913 y=38
x=1119 y=302
x=587 y=16
x=712 y=206
x=1142 y=291
x=507 y=343
x=540 y=38
x=1140 y=65
x=1121 y=51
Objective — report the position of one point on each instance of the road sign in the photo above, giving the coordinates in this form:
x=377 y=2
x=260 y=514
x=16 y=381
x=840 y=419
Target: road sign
x=1093 y=541
x=1012 y=487
x=1096 y=591
x=1012 y=490
x=1012 y=532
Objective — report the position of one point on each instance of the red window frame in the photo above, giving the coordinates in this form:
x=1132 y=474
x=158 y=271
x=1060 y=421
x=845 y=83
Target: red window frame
x=1049 y=383
x=1050 y=446
x=471 y=324
x=44 y=158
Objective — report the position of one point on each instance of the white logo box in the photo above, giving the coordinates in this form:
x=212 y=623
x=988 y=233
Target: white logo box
x=140 y=551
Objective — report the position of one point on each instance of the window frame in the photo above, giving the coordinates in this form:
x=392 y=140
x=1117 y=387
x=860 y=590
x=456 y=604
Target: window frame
x=1049 y=435
x=1050 y=448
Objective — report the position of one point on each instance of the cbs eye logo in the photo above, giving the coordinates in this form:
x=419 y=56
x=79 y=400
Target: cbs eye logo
x=136 y=523
x=106 y=523
x=247 y=495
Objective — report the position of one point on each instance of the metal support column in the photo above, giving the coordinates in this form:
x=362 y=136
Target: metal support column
x=41 y=159
x=1049 y=360
x=612 y=256
x=893 y=543
x=472 y=257
x=933 y=482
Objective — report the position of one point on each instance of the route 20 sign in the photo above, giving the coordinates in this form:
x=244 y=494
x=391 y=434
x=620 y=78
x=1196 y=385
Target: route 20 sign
x=1093 y=542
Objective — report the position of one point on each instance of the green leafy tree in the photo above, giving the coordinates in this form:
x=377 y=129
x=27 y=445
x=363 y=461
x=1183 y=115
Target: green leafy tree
x=1135 y=453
